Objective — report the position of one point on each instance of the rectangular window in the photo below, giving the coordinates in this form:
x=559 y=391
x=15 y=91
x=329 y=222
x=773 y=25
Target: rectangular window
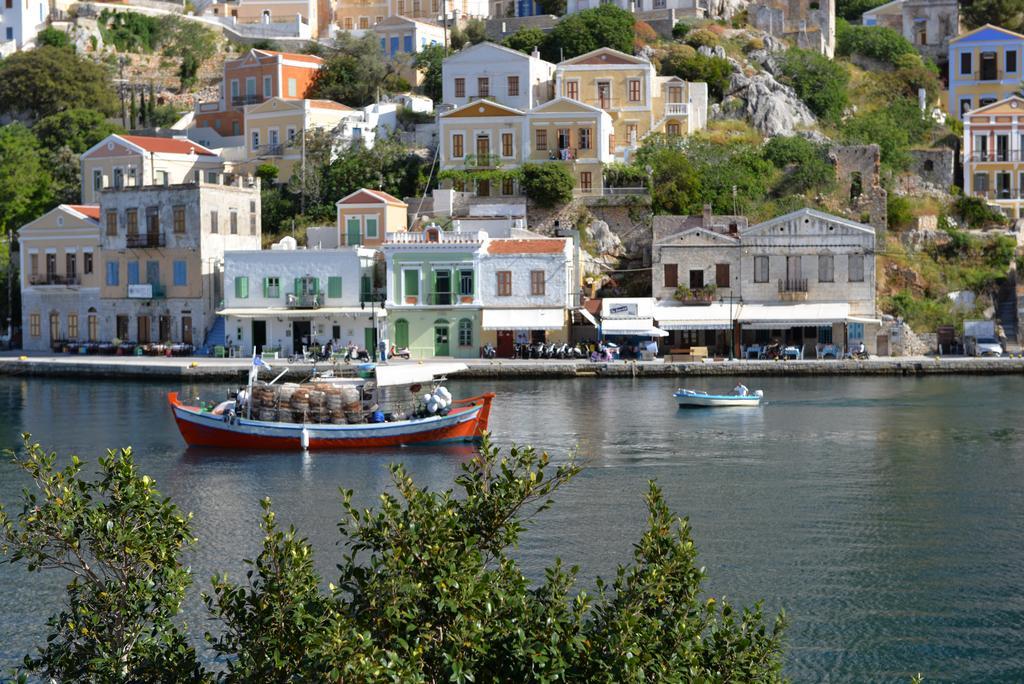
x=34 y=261
x=513 y=86
x=965 y=63
x=71 y=265
x=118 y=179
x=180 y=273
x=97 y=180
x=981 y=182
x=542 y=140
x=252 y=218
x=672 y=275
x=634 y=90
x=722 y=275
x=483 y=87
x=504 y=283
x=586 y=181
x=111 y=223
x=411 y=285
x=234 y=222
x=33 y=325
x=73 y=326
x=132 y=179
x=465 y=333
x=572 y=90
x=268 y=88
x=826 y=268
x=466 y=283
x=537 y=283
x=334 y=287
x=250 y=87
x=241 y=287
x=132 y=221
x=761 y=269
x=508 y=186
x=113 y=273
x=584 y=138
x=271 y=287
x=506 y=144
x=214 y=223
x=133 y=272
x=234 y=88
x=460 y=87
x=371 y=226
x=87 y=263
x=179 y=219
x=93 y=325
x=1011 y=61
x=631 y=133
x=292 y=88
x=856 y=268
x=457 y=149
x=255 y=140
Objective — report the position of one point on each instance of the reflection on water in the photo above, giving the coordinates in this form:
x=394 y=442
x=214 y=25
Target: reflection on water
x=885 y=515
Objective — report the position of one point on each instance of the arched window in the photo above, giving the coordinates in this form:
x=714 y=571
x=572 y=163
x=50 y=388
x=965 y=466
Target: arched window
x=402 y=333
x=465 y=332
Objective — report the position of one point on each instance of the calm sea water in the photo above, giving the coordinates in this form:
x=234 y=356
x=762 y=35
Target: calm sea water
x=885 y=515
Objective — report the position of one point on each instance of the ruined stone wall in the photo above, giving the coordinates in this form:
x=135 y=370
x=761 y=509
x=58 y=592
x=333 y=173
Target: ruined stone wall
x=934 y=167
x=863 y=162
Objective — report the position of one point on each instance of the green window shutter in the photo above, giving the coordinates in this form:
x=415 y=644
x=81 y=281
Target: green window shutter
x=316 y=286
x=334 y=287
x=412 y=283
x=266 y=288
x=242 y=287
x=298 y=287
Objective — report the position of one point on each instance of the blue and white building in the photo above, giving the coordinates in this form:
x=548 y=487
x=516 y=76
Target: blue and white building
x=984 y=68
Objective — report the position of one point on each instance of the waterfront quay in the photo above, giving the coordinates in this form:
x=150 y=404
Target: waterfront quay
x=204 y=368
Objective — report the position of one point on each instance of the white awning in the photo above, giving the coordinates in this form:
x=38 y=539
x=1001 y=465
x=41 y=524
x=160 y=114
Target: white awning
x=643 y=327
x=270 y=312
x=771 y=316
x=409 y=374
x=523 y=319
x=587 y=315
x=716 y=316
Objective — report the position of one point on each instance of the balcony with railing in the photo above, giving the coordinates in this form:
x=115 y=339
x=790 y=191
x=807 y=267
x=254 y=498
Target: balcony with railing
x=997 y=156
x=242 y=100
x=481 y=161
x=435 y=235
x=303 y=301
x=54 y=279
x=1001 y=194
x=676 y=109
x=270 y=150
x=792 y=289
x=145 y=240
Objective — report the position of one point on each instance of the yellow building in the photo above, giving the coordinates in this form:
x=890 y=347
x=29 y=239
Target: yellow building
x=60 y=277
x=483 y=137
x=575 y=134
x=984 y=68
x=994 y=154
x=273 y=131
x=366 y=216
x=638 y=101
x=132 y=161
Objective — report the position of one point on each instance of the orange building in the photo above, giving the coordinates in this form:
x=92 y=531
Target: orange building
x=257 y=76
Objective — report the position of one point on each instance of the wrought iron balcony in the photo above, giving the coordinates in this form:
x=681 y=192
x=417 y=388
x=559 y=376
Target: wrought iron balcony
x=793 y=285
x=303 y=301
x=145 y=240
x=242 y=100
x=54 y=279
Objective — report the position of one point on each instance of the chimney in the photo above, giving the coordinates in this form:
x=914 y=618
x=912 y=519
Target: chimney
x=536 y=53
x=706 y=217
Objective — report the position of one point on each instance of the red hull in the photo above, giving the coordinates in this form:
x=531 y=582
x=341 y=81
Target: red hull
x=214 y=433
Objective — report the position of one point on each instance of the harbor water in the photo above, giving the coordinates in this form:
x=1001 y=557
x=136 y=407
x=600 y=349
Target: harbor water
x=885 y=515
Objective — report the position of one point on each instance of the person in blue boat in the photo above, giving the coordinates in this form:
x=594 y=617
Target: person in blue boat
x=740 y=390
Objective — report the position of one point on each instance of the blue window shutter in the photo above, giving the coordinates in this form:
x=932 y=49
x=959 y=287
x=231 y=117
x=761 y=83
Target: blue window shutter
x=180 y=273
x=113 y=273
x=407 y=44
x=394 y=45
x=133 y=272
x=383 y=45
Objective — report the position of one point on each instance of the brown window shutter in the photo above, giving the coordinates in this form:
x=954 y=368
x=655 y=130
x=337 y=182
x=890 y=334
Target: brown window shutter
x=671 y=275
x=721 y=275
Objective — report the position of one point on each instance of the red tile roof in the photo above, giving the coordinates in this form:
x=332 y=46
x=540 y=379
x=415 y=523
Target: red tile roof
x=168 y=145
x=533 y=246
x=90 y=210
x=312 y=59
x=367 y=196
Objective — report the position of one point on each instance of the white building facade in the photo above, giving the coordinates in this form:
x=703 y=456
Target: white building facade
x=487 y=71
x=283 y=299
x=20 y=22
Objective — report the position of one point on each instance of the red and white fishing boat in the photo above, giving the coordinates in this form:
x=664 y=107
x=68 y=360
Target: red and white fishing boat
x=403 y=416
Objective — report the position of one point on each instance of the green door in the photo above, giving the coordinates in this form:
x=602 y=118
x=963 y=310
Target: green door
x=441 y=338
x=402 y=333
x=370 y=340
x=353 y=232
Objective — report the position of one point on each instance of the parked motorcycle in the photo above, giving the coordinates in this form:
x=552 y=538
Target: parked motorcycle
x=356 y=354
x=488 y=352
x=401 y=352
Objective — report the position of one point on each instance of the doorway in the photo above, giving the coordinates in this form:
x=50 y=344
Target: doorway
x=143 y=329
x=259 y=336
x=441 y=338
x=442 y=288
x=165 y=329
x=300 y=335
x=186 y=329
x=370 y=340
x=506 y=344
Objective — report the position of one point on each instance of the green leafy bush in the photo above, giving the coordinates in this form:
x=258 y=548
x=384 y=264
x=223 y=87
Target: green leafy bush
x=975 y=212
x=806 y=164
x=898 y=211
x=819 y=81
x=894 y=128
x=852 y=10
x=680 y=29
x=702 y=38
x=877 y=42
x=526 y=39
x=687 y=64
x=548 y=185
x=582 y=32
x=53 y=38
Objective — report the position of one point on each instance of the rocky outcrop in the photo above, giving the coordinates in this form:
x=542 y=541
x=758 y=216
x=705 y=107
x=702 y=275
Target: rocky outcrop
x=604 y=248
x=726 y=9
x=771 y=107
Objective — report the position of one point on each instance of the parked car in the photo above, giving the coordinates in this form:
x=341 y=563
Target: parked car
x=987 y=346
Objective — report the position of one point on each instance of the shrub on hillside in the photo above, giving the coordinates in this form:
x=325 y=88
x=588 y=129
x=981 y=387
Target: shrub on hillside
x=898 y=211
x=807 y=165
x=680 y=29
x=687 y=64
x=894 y=128
x=818 y=81
x=974 y=212
x=702 y=37
x=547 y=184
x=877 y=42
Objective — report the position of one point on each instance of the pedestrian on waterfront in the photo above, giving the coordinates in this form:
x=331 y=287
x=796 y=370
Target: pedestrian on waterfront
x=1001 y=335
